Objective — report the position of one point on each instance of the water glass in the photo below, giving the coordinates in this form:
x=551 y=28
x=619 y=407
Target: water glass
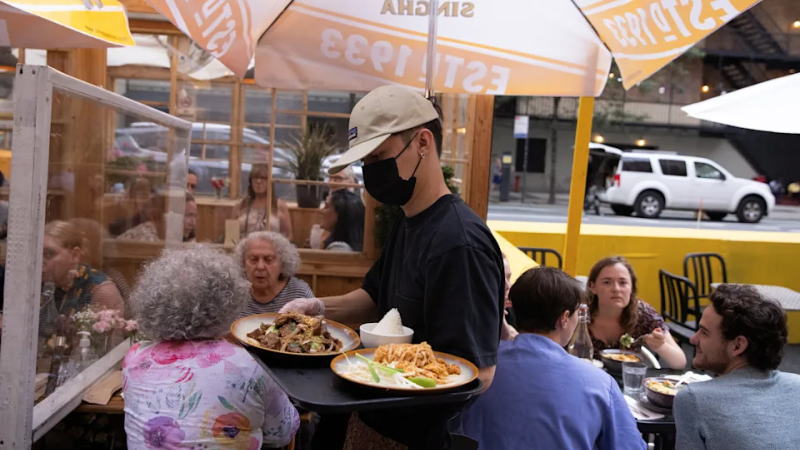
x=632 y=377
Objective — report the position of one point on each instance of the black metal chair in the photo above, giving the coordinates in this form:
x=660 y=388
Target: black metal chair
x=679 y=301
x=543 y=255
x=703 y=269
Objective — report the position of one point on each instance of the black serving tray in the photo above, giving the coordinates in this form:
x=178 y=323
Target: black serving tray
x=317 y=388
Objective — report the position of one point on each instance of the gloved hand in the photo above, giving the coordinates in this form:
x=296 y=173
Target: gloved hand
x=307 y=306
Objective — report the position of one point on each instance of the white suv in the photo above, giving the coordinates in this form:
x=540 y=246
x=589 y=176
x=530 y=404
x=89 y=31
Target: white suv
x=648 y=182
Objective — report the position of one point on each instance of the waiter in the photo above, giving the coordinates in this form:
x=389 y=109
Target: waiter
x=441 y=267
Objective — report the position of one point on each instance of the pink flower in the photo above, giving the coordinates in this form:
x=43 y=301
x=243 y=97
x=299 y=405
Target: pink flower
x=101 y=326
x=131 y=325
x=209 y=353
x=140 y=367
x=170 y=351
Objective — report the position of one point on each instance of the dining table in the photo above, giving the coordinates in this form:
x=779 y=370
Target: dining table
x=662 y=425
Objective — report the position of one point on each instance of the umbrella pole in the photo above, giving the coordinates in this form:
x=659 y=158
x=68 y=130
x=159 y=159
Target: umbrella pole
x=577 y=186
x=430 y=57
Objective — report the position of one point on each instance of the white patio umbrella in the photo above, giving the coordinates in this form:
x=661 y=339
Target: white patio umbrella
x=63 y=24
x=773 y=105
x=513 y=47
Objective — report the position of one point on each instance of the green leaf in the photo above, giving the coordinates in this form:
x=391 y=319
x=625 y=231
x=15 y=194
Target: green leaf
x=225 y=403
x=190 y=405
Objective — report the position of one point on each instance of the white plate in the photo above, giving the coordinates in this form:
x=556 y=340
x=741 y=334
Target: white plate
x=241 y=327
x=469 y=372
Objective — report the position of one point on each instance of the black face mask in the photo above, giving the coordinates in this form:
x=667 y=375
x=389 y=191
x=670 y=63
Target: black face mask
x=382 y=180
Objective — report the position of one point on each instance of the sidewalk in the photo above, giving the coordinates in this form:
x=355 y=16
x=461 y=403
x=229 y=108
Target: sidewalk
x=534 y=198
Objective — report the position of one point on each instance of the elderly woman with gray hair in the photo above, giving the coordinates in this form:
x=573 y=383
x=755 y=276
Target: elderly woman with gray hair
x=270 y=262
x=188 y=386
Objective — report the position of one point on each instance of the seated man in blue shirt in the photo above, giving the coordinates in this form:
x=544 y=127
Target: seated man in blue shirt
x=543 y=397
x=751 y=405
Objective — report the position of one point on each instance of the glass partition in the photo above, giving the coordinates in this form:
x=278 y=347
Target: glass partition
x=98 y=188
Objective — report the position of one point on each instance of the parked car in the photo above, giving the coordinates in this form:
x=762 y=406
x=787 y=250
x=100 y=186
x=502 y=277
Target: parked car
x=146 y=141
x=646 y=183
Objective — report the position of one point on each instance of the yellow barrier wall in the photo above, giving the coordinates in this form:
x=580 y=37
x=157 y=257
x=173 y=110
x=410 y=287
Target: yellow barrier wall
x=751 y=256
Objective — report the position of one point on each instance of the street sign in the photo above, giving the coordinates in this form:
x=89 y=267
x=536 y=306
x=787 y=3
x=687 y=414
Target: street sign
x=521 y=127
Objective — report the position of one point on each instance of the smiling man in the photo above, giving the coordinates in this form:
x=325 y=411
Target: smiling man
x=751 y=405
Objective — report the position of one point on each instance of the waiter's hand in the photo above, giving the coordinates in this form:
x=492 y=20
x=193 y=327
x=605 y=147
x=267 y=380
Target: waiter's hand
x=307 y=306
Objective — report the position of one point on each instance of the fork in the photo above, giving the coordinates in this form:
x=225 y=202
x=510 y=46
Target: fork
x=647 y=415
x=635 y=341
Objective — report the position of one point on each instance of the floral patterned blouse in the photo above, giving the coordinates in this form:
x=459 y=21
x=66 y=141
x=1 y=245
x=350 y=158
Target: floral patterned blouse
x=202 y=394
x=647 y=320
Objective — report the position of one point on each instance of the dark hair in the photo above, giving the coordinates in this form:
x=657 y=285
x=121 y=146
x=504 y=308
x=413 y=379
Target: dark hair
x=631 y=312
x=761 y=321
x=192 y=234
x=349 y=226
x=541 y=295
x=191 y=172
x=251 y=194
x=435 y=127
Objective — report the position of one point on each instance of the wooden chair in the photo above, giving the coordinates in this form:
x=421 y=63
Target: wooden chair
x=540 y=255
x=703 y=269
x=679 y=301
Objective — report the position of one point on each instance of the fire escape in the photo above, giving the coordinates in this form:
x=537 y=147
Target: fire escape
x=755 y=43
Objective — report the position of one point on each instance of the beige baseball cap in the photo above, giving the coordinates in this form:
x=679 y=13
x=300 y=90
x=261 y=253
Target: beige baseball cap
x=384 y=111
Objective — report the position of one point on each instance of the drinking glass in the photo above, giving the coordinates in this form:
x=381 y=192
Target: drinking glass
x=632 y=377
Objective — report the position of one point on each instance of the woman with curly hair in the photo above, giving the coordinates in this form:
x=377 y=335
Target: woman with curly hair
x=188 y=386
x=616 y=310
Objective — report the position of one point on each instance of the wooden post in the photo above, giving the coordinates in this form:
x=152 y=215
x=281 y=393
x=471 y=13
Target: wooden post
x=86 y=135
x=25 y=242
x=480 y=154
x=577 y=186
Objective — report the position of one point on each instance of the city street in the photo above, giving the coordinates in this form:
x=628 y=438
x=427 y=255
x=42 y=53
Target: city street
x=536 y=209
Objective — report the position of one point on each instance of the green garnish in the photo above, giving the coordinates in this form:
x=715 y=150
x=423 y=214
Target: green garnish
x=374 y=374
x=386 y=369
x=423 y=381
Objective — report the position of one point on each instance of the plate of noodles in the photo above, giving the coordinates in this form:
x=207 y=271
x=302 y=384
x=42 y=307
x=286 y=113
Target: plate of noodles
x=404 y=367
x=295 y=334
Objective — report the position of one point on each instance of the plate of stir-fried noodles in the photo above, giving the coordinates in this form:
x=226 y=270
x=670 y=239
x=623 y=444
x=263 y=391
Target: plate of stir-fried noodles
x=404 y=367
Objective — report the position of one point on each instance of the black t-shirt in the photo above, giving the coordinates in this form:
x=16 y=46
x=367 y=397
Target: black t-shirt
x=443 y=271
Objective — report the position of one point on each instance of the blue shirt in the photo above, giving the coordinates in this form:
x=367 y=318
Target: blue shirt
x=544 y=398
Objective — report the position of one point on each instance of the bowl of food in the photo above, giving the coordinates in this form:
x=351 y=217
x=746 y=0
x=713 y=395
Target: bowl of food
x=389 y=330
x=613 y=358
x=661 y=391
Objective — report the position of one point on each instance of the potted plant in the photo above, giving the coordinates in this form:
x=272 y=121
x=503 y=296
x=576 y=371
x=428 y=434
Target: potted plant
x=309 y=149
